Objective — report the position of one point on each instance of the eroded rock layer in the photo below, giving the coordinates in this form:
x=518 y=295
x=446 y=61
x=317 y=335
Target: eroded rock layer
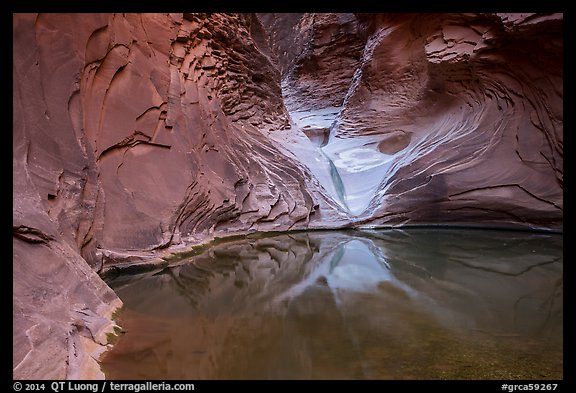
x=134 y=133
x=447 y=118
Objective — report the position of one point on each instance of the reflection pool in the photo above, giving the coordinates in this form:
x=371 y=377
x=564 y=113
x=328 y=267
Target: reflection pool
x=379 y=304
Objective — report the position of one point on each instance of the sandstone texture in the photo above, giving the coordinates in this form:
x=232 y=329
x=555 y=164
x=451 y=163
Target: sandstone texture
x=135 y=134
x=132 y=132
x=433 y=118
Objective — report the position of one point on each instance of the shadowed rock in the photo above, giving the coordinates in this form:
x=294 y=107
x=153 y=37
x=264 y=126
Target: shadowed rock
x=441 y=117
x=384 y=304
x=136 y=133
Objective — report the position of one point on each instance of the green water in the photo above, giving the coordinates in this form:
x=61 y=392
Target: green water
x=412 y=304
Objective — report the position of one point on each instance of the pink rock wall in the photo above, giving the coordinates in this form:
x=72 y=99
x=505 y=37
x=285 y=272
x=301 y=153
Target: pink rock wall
x=132 y=132
x=461 y=114
x=136 y=132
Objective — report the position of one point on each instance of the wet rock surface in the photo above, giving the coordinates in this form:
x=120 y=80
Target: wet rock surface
x=133 y=132
x=137 y=133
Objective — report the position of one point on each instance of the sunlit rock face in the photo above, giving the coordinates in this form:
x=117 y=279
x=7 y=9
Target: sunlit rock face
x=444 y=118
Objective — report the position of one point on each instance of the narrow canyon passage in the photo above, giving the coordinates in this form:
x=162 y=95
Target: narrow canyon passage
x=142 y=137
x=307 y=140
x=349 y=171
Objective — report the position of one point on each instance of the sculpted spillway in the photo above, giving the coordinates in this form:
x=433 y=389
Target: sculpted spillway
x=355 y=171
x=379 y=304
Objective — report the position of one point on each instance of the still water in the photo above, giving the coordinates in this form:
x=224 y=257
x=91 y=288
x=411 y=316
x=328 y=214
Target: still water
x=391 y=304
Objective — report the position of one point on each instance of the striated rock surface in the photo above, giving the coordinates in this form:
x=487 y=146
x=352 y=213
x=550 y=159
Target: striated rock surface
x=137 y=133
x=131 y=133
x=378 y=304
x=318 y=55
x=447 y=118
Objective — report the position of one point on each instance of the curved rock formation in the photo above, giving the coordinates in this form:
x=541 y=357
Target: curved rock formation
x=134 y=133
x=447 y=118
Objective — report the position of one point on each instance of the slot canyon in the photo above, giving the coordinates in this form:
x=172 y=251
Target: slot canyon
x=140 y=137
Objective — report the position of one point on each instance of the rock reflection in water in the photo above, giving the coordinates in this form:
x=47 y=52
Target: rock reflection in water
x=412 y=304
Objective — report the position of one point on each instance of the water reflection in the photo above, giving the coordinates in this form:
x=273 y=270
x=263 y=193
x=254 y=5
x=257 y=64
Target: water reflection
x=413 y=304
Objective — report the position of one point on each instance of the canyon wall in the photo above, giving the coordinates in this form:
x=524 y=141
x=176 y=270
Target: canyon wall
x=137 y=133
x=438 y=118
